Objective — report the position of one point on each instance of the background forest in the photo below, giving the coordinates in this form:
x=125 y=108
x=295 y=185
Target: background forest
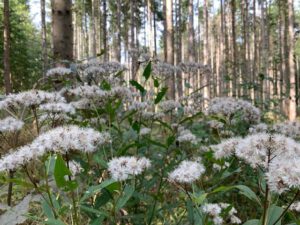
x=149 y=112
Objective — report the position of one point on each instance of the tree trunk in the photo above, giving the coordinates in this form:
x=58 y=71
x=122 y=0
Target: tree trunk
x=104 y=31
x=62 y=31
x=291 y=69
x=44 y=37
x=6 y=50
x=179 y=47
x=235 y=78
x=169 y=45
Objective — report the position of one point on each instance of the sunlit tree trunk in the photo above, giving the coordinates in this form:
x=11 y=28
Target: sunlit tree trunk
x=235 y=89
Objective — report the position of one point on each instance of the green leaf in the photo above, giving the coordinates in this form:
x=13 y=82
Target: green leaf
x=156 y=82
x=94 y=211
x=274 y=213
x=47 y=209
x=252 y=222
x=52 y=221
x=128 y=192
x=138 y=86
x=147 y=71
x=60 y=171
x=96 y=189
x=160 y=95
x=246 y=191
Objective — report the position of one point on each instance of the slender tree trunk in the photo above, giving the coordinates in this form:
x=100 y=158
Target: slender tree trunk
x=6 y=50
x=134 y=65
x=179 y=47
x=150 y=27
x=62 y=31
x=191 y=36
x=104 y=31
x=44 y=37
x=235 y=78
x=169 y=45
x=292 y=72
x=206 y=51
x=7 y=77
x=93 y=45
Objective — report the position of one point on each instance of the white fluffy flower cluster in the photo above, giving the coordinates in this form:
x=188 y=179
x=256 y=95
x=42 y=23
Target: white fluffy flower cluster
x=88 y=91
x=152 y=115
x=215 y=209
x=226 y=148
x=31 y=98
x=258 y=149
x=139 y=106
x=10 y=124
x=231 y=107
x=60 y=139
x=163 y=69
x=145 y=131
x=186 y=136
x=259 y=128
x=215 y=124
x=169 y=105
x=288 y=128
x=59 y=107
x=295 y=207
x=94 y=94
x=75 y=168
x=121 y=168
x=65 y=138
x=58 y=71
x=284 y=174
x=187 y=172
x=277 y=154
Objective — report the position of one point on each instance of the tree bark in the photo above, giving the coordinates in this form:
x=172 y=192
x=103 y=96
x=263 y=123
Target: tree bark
x=44 y=37
x=169 y=45
x=292 y=72
x=62 y=31
x=6 y=46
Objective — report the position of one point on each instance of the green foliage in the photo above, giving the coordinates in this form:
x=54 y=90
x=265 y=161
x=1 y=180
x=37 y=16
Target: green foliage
x=25 y=48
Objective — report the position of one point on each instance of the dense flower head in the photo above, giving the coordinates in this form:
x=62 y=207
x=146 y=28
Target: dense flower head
x=186 y=136
x=58 y=71
x=30 y=98
x=145 y=131
x=169 y=105
x=288 y=128
x=258 y=128
x=187 y=172
x=226 y=148
x=139 y=106
x=60 y=139
x=123 y=167
x=20 y=157
x=65 y=138
x=59 y=107
x=88 y=91
x=217 y=210
x=257 y=149
x=10 y=124
x=75 y=167
x=163 y=69
x=283 y=174
x=230 y=107
x=295 y=206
